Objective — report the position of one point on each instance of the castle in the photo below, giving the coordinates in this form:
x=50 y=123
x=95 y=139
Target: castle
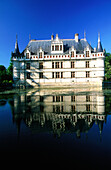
x=58 y=62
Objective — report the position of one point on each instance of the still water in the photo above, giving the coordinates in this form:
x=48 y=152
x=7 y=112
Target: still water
x=68 y=124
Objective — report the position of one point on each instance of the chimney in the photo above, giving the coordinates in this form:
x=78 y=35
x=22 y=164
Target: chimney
x=94 y=49
x=76 y=37
x=52 y=37
x=56 y=36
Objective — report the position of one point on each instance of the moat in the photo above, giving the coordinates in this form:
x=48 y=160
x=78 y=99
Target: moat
x=64 y=124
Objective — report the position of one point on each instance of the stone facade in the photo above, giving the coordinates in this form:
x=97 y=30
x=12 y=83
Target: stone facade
x=58 y=62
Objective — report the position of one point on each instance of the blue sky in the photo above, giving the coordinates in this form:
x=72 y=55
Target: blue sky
x=41 y=18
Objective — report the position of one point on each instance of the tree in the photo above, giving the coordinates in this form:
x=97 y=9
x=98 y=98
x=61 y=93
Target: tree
x=3 y=75
x=108 y=66
x=10 y=72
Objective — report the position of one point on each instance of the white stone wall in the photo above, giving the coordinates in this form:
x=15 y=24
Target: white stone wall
x=96 y=69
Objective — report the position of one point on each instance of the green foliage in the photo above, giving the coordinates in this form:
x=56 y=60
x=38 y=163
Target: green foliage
x=11 y=82
x=108 y=66
x=3 y=75
x=10 y=72
x=6 y=75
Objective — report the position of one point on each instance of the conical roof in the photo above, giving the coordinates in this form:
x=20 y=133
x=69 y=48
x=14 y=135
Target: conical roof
x=16 y=51
x=99 y=46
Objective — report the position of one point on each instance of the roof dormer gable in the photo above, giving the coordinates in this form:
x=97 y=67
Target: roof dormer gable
x=57 y=45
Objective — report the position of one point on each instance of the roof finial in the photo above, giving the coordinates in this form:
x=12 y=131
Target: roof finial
x=29 y=37
x=84 y=35
x=16 y=37
x=16 y=46
x=98 y=36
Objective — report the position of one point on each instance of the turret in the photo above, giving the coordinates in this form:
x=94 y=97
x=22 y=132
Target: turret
x=99 y=46
x=16 y=51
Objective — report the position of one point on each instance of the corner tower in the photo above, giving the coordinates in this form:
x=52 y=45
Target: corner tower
x=99 y=46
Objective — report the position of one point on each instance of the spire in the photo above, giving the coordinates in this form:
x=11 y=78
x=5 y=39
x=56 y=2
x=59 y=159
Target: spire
x=29 y=37
x=84 y=35
x=16 y=51
x=98 y=37
x=99 y=46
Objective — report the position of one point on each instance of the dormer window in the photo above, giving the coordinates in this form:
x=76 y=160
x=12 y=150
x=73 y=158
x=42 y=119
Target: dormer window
x=87 y=53
x=56 y=47
x=40 y=55
x=27 y=55
x=60 y=47
x=72 y=53
x=52 y=47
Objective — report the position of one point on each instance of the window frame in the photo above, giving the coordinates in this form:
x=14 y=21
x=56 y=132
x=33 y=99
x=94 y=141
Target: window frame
x=87 y=64
x=87 y=53
x=56 y=47
x=40 y=54
x=40 y=65
x=57 y=65
x=72 y=53
x=87 y=74
x=57 y=75
x=28 y=75
x=73 y=74
x=28 y=66
x=72 y=64
x=41 y=75
x=27 y=55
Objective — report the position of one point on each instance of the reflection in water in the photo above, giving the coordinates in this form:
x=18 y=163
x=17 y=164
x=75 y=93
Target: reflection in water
x=59 y=112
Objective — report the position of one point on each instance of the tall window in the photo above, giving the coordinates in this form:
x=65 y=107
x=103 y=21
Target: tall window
x=72 y=53
x=57 y=98
x=61 y=74
x=56 y=64
x=56 y=47
x=52 y=47
x=27 y=65
x=52 y=74
x=57 y=75
x=87 y=98
x=60 y=47
x=72 y=74
x=41 y=75
x=61 y=64
x=73 y=108
x=88 y=107
x=87 y=64
x=72 y=64
x=41 y=65
x=40 y=55
x=52 y=64
x=28 y=75
x=27 y=55
x=87 y=53
x=87 y=74
x=72 y=98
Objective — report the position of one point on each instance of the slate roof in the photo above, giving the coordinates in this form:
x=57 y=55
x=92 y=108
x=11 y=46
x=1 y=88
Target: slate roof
x=34 y=45
x=99 y=47
x=16 y=50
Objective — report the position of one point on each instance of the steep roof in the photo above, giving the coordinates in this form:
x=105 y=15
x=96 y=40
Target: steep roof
x=99 y=46
x=34 y=45
x=16 y=51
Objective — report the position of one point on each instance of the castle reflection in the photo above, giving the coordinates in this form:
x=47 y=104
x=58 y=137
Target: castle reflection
x=58 y=112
